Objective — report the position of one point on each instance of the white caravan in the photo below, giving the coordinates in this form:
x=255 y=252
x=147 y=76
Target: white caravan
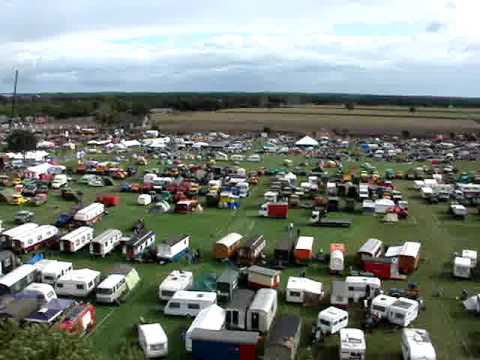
x=403 y=311
x=104 y=243
x=76 y=239
x=77 y=283
x=42 y=292
x=352 y=344
x=462 y=267
x=189 y=303
x=152 y=340
x=331 y=320
x=301 y=288
x=175 y=281
x=357 y=286
x=380 y=305
x=416 y=345
x=49 y=271
x=262 y=310
x=210 y=318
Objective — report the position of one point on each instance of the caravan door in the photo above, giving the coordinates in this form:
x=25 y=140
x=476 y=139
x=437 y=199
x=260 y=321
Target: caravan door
x=255 y=321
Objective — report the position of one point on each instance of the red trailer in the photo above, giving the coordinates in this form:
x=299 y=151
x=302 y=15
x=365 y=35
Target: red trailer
x=274 y=210
x=108 y=199
x=379 y=267
x=78 y=319
x=304 y=249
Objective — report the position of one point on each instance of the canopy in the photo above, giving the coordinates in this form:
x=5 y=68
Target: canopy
x=307 y=141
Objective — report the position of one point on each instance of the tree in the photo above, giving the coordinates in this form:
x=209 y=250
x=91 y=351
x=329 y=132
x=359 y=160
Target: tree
x=412 y=109
x=405 y=134
x=21 y=141
x=350 y=106
x=38 y=342
x=139 y=109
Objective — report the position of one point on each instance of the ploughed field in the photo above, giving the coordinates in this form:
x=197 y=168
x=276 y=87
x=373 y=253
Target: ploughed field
x=361 y=120
x=455 y=333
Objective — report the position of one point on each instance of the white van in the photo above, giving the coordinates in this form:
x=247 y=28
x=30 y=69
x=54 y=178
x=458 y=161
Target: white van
x=331 y=320
x=403 y=311
x=77 y=283
x=189 y=303
x=153 y=340
x=42 y=292
x=300 y=288
x=416 y=345
x=380 y=305
x=352 y=344
x=111 y=289
x=262 y=310
x=357 y=286
x=175 y=281
x=210 y=318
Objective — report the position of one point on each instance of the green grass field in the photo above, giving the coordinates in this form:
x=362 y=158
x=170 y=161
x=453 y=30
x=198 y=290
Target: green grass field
x=455 y=333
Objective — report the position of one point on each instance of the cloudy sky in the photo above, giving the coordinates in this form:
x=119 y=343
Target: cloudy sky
x=427 y=47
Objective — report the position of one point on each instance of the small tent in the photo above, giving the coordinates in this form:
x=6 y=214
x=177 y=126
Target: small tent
x=307 y=141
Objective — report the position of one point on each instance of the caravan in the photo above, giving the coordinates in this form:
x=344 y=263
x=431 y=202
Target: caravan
x=359 y=287
x=17 y=279
x=90 y=214
x=111 y=289
x=104 y=243
x=49 y=271
x=152 y=340
x=236 y=310
x=227 y=246
x=416 y=345
x=301 y=290
x=304 y=249
x=138 y=244
x=262 y=310
x=331 y=320
x=210 y=318
x=41 y=292
x=34 y=239
x=403 y=311
x=352 y=344
x=337 y=259
x=78 y=283
x=173 y=248
x=7 y=236
x=380 y=306
x=175 y=281
x=189 y=303
x=77 y=239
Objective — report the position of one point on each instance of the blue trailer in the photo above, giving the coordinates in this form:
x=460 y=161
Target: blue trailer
x=224 y=345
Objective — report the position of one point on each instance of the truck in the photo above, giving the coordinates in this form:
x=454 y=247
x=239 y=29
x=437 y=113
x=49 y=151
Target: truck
x=274 y=210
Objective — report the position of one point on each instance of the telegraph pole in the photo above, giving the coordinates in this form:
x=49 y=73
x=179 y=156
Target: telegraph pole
x=14 y=98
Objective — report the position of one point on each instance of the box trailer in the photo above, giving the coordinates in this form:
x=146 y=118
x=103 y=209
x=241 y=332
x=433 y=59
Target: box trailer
x=224 y=344
x=77 y=283
x=138 y=245
x=210 y=318
x=359 y=287
x=111 y=289
x=189 y=303
x=249 y=252
x=76 y=239
x=90 y=214
x=175 y=281
x=261 y=277
x=49 y=271
x=173 y=248
x=236 y=309
x=152 y=340
x=416 y=345
x=304 y=249
x=33 y=240
x=337 y=258
x=17 y=279
x=108 y=199
x=226 y=284
x=331 y=320
x=227 y=246
x=274 y=210
x=106 y=242
x=262 y=310
x=403 y=311
x=381 y=267
x=302 y=290
x=409 y=257
x=284 y=338
x=352 y=344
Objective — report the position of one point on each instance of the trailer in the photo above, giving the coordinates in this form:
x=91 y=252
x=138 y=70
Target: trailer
x=302 y=290
x=33 y=240
x=359 y=287
x=283 y=341
x=371 y=248
x=462 y=267
x=105 y=243
x=416 y=345
x=226 y=284
x=173 y=248
x=138 y=245
x=189 y=303
x=283 y=252
x=111 y=289
x=227 y=246
x=352 y=344
x=49 y=271
x=330 y=321
x=337 y=258
x=403 y=311
x=261 y=277
x=90 y=214
x=249 y=252
x=274 y=210
x=76 y=239
x=236 y=309
x=43 y=293
x=7 y=236
x=152 y=340
x=77 y=283
x=380 y=305
x=8 y=262
x=210 y=318
x=224 y=344
x=262 y=310
x=108 y=199
x=175 y=281
x=409 y=257
x=304 y=249
x=50 y=312
x=131 y=275
x=330 y=222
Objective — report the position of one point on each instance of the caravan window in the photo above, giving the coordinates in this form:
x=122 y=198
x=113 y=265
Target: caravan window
x=48 y=278
x=174 y=305
x=295 y=293
x=156 y=347
x=59 y=285
x=399 y=316
x=80 y=286
x=167 y=293
x=194 y=306
x=379 y=308
x=325 y=322
x=103 y=291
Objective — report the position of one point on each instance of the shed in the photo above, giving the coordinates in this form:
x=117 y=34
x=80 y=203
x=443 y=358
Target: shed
x=284 y=338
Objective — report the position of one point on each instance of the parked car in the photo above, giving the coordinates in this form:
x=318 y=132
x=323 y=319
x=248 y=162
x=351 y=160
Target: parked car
x=23 y=217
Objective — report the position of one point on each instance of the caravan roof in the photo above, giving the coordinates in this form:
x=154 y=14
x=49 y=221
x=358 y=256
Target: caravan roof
x=332 y=313
x=371 y=246
x=153 y=333
x=209 y=318
x=304 y=284
x=111 y=281
x=305 y=242
x=195 y=295
x=419 y=343
x=80 y=275
x=16 y=274
x=175 y=239
x=77 y=232
x=230 y=239
x=264 y=300
x=410 y=249
x=241 y=298
x=20 y=229
x=352 y=339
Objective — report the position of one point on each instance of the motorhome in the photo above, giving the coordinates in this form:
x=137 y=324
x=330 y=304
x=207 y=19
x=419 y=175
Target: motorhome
x=236 y=309
x=227 y=246
x=34 y=239
x=352 y=344
x=76 y=239
x=17 y=279
x=210 y=318
x=173 y=248
x=49 y=271
x=77 y=283
x=302 y=290
x=90 y=214
x=152 y=340
x=403 y=311
x=111 y=289
x=380 y=305
x=416 y=345
x=42 y=292
x=106 y=242
x=262 y=310
x=175 y=281
x=138 y=244
x=332 y=320
x=360 y=286
x=189 y=303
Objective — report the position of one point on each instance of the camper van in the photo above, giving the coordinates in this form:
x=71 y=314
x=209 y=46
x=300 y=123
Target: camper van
x=301 y=290
x=332 y=320
x=262 y=310
x=352 y=344
x=49 y=271
x=77 y=239
x=42 y=292
x=34 y=239
x=7 y=236
x=104 y=243
x=89 y=215
x=173 y=248
x=416 y=345
x=210 y=318
x=403 y=311
x=138 y=244
x=111 y=289
x=17 y=279
x=380 y=305
x=77 y=283
x=152 y=340
x=227 y=246
x=358 y=286
x=189 y=303
x=236 y=309
x=175 y=281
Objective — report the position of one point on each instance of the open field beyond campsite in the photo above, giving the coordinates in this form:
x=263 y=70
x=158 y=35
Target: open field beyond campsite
x=361 y=120
x=455 y=333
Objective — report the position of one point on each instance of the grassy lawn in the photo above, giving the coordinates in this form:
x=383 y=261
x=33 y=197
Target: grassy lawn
x=454 y=333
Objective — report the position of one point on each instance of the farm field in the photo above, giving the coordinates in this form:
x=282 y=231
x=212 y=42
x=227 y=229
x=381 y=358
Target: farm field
x=361 y=120
x=455 y=334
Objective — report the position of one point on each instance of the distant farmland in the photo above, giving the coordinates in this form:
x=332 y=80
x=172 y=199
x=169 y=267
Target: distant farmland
x=301 y=119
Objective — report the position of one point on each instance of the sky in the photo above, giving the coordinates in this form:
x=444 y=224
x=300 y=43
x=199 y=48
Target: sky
x=401 y=47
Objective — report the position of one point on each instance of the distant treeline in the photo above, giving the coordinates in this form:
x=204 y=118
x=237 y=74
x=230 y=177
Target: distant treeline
x=63 y=105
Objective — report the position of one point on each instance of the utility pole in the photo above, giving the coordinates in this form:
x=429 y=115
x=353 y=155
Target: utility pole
x=14 y=98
